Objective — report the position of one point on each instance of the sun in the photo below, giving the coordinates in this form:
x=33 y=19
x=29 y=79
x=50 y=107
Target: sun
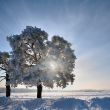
x=53 y=65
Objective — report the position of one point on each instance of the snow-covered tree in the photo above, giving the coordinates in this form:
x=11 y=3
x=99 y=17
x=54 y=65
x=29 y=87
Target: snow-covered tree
x=37 y=61
x=5 y=69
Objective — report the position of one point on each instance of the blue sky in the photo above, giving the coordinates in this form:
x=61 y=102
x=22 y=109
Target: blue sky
x=84 y=23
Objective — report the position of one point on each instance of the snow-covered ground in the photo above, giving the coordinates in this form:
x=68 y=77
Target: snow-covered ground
x=76 y=100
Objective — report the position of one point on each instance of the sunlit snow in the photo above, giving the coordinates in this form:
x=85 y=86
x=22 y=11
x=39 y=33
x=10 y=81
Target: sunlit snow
x=57 y=100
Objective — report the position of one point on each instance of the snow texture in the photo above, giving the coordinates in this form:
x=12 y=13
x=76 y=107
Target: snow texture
x=55 y=104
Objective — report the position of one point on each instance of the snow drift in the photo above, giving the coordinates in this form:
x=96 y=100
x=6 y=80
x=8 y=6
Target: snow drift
x=55 y=104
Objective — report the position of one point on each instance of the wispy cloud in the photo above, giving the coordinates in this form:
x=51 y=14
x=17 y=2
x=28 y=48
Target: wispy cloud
x=84 y=23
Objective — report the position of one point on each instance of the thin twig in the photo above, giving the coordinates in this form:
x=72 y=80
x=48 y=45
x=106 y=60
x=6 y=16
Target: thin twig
x=2 y=76
x=2 y=79
x=2 y=68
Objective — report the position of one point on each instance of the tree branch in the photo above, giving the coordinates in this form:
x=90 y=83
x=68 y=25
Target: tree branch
x=29 y=54
x=28 y=44
x=34 y=56
x=3 y=68
x=39 y=57
x=2 y=76
x=2 y=79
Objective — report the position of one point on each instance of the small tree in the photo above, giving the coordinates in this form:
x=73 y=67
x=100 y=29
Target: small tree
x=38 y=61
x=5 y=67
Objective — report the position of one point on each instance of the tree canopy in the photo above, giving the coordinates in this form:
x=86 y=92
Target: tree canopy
x=34 y=59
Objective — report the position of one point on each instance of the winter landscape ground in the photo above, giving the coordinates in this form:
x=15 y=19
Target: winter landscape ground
x=66 y=100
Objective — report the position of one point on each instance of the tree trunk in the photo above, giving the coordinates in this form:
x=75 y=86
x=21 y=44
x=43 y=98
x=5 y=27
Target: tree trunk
x=39 y=91
x=8 y=89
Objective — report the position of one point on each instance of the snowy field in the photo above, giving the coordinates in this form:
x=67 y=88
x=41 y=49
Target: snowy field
x=71 y=100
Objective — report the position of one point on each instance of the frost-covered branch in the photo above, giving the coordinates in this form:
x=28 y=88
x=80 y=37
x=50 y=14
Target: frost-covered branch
x=2 y=76
x=2 y=79
x=2 y=68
